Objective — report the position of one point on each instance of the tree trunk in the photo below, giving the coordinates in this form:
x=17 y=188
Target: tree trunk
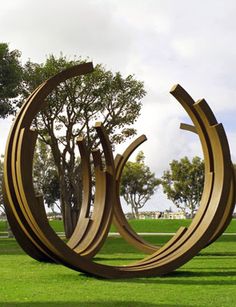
x=70 y=218
x=132 y=212
x=136 y=212
x=70 y=210
x=191 y=206
x=65 y=208
x=67 y=220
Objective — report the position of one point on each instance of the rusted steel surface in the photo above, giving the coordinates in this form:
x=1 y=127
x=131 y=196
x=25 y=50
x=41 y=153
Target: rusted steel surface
x=28 y=219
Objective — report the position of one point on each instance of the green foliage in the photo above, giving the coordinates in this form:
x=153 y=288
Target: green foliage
x=77 y=103
x=183 y=183
x=71 y=111
x=10 y=79
x=138 y=184
x=46 y=181
x=2 y=208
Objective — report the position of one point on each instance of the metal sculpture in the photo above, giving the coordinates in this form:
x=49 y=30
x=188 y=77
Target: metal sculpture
x=28 y=219
x=226 y=218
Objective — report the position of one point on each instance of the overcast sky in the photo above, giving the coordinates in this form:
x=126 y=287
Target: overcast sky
x=161 y=42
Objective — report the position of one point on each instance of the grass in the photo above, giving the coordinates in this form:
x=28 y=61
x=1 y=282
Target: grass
x=165 y=226
x=209 y=279
x=160 y=225
x=157 y=225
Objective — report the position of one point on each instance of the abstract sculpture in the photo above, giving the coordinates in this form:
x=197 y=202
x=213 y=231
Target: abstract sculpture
x=28 y=219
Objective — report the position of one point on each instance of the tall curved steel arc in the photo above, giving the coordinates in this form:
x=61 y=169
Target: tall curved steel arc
x=228 y=214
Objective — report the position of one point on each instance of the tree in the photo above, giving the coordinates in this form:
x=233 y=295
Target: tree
x=46 y=181
x=183 y=183
x=138 y=184
x=10 y=79
x=72 y=110
x=2 y=208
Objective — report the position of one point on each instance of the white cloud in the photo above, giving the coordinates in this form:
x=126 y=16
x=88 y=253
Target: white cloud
x=185 y=48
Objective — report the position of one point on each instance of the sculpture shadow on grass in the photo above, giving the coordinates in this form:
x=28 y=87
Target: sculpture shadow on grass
x=189 y=278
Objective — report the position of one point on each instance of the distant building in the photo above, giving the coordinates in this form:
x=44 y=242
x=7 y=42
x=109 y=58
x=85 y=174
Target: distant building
x=174 y=215
x=129 y=216
x=145 y=215
x=54 y=216
x=151 y=215
x=154 y=215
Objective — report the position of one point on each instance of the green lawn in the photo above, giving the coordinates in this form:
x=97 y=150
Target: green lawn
x=3 y=226
x=166 y=226
x=209 y=279
x=157 y=225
